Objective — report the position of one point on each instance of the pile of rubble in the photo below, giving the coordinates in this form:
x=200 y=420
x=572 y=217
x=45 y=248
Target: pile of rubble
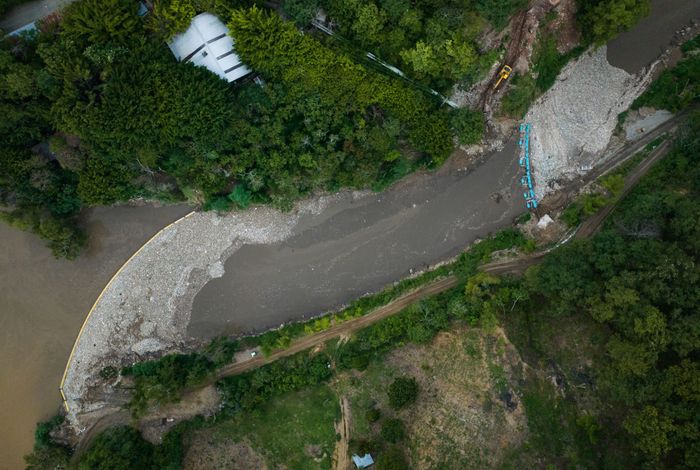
x=573 y=122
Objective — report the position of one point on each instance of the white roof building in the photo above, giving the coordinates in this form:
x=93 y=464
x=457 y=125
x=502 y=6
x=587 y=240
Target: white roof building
x=206 y=43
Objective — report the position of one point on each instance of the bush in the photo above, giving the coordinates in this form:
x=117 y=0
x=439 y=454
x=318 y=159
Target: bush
x=109 y=372
x=362 y=446
x=393 y=430
x=372 y=415
x=572 y=214
x=402 y=392
x=467 y=125
x=118 y=448
x=392 y=459
x=523 y=91
x=50 y=457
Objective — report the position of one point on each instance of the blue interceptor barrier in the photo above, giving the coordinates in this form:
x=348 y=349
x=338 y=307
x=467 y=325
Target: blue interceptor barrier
x=524 y=144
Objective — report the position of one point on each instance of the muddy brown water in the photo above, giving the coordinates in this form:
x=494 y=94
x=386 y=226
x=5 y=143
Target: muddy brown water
x=349 y=249
x=637 y=48
x=43 y=302
x=355 y=247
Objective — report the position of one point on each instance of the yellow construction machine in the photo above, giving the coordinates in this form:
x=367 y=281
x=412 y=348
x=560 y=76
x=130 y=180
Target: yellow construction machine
x=503 y=75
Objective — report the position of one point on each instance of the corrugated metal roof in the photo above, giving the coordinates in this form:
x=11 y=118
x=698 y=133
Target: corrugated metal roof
x=206 y=43
x=362 y=462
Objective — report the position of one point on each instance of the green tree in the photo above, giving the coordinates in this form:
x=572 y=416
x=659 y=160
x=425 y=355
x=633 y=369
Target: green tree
x=101 y=20
x=650 y=430
x=171 y=17
x=369 y=23
x=402 y=392
x=602 y=20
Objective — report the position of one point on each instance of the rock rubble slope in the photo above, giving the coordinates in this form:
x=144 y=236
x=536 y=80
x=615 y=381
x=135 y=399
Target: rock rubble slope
x=145 y=309
x=573 y=122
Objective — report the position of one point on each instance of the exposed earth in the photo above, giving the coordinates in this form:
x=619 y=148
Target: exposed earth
x=355 y=245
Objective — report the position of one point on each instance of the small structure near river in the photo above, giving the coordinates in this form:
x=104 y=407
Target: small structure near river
x=207 y=43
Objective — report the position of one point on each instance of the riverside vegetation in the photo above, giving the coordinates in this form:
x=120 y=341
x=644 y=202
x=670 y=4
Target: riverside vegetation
x=613 y=318
x=97 y=111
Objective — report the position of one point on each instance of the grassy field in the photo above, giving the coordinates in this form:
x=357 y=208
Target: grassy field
x=482 y=403
x=460 y=419
x=294 y=431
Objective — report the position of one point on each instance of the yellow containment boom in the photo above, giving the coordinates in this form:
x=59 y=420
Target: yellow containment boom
x=503 y=75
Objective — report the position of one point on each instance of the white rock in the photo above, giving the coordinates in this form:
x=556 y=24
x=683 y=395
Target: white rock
x=544 y=221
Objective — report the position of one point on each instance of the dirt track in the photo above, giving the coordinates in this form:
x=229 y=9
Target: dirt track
x=515 y=266
x=345 y=328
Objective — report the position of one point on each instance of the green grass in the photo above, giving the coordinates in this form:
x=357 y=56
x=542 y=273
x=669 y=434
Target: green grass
x=547 y=62
x=368 y=391
x=559 y=436
x=282 y=428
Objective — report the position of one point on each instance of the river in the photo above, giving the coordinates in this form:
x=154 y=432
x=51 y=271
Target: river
x=44 y=301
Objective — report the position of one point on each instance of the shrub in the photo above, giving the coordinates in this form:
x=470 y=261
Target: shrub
x=614 y=183
x=467 y=125
x=240 y=196
x=109 y=372
x=523 y=91
x=393 y=430
x=392 y=459
x=163 y=381
x=498 y=11
x=402 y=392
x=372 y=415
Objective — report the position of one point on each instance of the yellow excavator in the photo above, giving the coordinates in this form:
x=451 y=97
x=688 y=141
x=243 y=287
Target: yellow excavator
x=503 y=75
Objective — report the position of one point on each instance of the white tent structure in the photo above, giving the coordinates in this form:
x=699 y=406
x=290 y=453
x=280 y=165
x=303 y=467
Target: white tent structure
x=206 y=43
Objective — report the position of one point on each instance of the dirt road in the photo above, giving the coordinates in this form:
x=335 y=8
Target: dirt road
x=592 y=224
x=559 y=200
x=515 y=266
x=341 y=456
x=347 y=328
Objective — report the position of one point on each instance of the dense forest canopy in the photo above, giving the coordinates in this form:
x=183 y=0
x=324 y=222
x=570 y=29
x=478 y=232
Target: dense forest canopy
x=98 y=111
x=434 y=41
x=632 y=401
x=640 y=280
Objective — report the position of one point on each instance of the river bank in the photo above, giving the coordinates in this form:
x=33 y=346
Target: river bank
x=44 y=302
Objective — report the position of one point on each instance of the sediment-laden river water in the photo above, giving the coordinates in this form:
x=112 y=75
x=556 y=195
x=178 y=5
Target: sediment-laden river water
x=43 y=302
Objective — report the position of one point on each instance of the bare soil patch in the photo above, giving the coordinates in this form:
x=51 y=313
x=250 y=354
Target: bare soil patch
x=468 y=411
x=205 y=452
